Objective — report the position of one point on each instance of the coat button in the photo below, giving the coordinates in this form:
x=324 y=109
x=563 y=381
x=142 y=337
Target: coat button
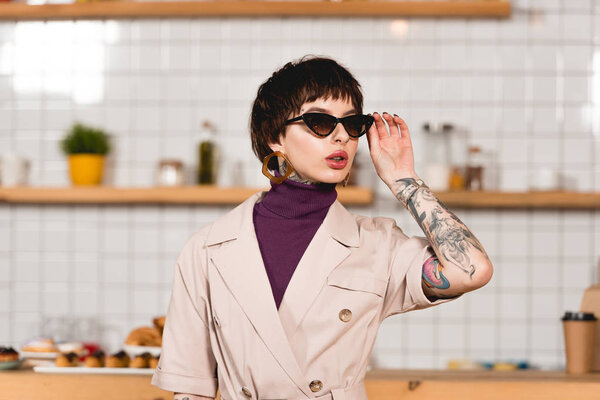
x=246 y=391
x=345 y=315
x=316 y=385
x=217 y=321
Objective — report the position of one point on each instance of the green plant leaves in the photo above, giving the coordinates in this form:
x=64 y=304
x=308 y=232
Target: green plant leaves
x=85 y=139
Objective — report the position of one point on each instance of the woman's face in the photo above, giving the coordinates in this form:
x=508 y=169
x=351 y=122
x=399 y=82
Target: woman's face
x=309 y=152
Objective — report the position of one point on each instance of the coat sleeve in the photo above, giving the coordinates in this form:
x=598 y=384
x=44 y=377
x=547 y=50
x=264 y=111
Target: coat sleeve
x=187 y=363
x=405 y=291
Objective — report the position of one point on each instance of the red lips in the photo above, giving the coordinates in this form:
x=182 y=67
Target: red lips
x=339 y=153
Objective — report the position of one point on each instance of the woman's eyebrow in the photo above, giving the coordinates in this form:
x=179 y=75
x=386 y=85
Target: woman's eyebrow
x=327 y=111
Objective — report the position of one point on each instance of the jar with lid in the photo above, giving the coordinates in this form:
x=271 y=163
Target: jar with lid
x=436 y=158
x=169 y=173
x=474 y=169
x=206 y=172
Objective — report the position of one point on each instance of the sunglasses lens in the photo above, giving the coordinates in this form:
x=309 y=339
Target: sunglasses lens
x=321 y=124
x=357 y=125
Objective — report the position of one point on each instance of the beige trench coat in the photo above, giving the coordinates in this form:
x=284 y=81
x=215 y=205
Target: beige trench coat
x=355 y=272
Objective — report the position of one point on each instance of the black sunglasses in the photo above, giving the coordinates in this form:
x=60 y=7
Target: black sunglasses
x=323 y=124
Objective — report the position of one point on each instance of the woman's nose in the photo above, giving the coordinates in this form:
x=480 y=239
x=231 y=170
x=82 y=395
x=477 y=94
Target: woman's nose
x=340 y=134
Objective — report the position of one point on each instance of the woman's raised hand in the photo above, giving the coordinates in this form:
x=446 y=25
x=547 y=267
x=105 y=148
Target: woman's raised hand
x=392 y=153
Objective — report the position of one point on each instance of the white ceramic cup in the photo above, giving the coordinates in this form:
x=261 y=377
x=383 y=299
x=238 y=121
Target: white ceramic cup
x=14 y=170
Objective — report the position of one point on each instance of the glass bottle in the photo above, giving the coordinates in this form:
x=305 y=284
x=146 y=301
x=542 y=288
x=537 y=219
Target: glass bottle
x=207 y=155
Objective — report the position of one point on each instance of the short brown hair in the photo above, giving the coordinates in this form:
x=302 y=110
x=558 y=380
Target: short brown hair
x=282 y=95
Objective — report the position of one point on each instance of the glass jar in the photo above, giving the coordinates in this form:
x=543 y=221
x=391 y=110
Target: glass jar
x=170 y=173
x=436 y=157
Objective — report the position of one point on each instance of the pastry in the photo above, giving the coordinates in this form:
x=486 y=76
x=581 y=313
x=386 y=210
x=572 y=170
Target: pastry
x=45 y=345
x=154 y=361
x=159 y=323
x=66 y=360
x=95 y=360
x=68 y=347
x=144 y=336
x=8 y=354
x=118 y=360
x=141 y=360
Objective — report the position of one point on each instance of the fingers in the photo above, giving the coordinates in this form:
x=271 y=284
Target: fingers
x=404 y=132
x=380 y=125
x=392 y=124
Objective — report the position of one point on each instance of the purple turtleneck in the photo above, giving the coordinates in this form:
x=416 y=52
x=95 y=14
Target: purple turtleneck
x=285 y=222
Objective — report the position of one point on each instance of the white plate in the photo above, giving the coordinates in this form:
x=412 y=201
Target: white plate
x=39 y=354
x=89 y=370
x=136 y=350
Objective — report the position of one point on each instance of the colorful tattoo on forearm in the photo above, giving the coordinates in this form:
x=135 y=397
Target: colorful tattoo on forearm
x=432 y=274
x=451 y=240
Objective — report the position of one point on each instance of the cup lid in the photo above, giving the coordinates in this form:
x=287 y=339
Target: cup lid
x=578 y=316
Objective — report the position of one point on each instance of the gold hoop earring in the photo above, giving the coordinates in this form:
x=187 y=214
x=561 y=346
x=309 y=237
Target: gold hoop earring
x=273 y=178
x=346 y=179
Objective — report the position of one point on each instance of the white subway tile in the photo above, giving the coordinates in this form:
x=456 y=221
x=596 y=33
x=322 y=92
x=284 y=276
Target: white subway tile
x=26 y=297
x=545 y=242
x=452 y=57
x=482 y=336
x=513 y=336
x=578 y=273
x=545 y=121
x=513 y=179
x=418 y=28
x=145 y=29
x=451 y=29
x=545 y=273
x=545 y=57
x=451 y=336
x=546 y=305
x=479 y=29
x=577 y=27
x=577 y=57
x=483 y=57
x=545 y=26
x=577 y=151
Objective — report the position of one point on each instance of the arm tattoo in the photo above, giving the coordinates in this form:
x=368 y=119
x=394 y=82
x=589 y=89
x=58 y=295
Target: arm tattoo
x=451 y=240
x=432 y=274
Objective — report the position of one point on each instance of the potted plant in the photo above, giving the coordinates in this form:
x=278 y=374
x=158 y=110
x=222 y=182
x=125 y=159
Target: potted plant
x=86 y=148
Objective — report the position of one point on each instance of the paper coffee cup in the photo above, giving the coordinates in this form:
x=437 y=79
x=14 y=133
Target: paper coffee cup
x=579 y=331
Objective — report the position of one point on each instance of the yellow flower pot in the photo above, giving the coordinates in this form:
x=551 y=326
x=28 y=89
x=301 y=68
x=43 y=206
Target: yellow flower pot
x=86 y=169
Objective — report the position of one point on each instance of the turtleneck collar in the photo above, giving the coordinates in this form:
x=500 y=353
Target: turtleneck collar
x=291 y=199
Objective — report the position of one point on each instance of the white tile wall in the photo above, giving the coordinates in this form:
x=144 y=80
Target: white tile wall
x=525 y=88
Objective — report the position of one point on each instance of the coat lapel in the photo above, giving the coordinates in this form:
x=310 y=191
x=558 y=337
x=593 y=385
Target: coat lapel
x=241 y=266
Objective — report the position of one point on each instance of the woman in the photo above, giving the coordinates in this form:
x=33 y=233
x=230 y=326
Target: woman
x=282 y=297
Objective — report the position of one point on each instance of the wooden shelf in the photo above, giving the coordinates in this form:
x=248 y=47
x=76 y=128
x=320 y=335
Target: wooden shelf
x=516 y=200
x=352 y=195
x=199 y=194
x=355 y=8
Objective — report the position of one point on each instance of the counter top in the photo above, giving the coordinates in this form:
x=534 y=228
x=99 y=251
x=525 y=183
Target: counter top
x=381 y=384
x=478 y=375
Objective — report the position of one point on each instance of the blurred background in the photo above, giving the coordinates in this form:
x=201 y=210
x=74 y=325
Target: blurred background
x=522 y=93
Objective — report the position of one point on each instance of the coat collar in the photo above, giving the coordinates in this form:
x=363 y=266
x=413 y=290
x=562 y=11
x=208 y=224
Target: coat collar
x=340 y=224
x=239 y=262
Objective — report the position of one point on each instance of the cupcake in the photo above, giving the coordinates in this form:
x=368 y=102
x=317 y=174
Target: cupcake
x=66 y=360
x=154 y=361
x=8 y=354
x=118 y=360
x=95 y=360
x=141 y=361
